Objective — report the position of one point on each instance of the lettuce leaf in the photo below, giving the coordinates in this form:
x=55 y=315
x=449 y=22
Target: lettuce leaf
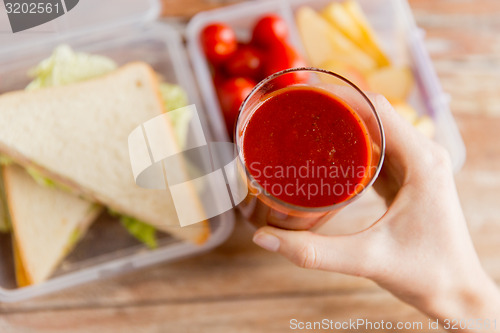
x=40 y=179
x=174 y=97
x=65 y=66
x=73 y=239
x=140 y=230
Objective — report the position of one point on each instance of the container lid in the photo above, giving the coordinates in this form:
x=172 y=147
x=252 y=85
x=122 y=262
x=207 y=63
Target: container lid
x=87 y=16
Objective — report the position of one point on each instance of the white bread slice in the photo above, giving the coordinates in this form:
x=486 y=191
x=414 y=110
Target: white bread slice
x=46 y=224
x=78 y=136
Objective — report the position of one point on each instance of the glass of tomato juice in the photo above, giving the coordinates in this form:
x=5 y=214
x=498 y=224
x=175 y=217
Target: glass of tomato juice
x=309 y=143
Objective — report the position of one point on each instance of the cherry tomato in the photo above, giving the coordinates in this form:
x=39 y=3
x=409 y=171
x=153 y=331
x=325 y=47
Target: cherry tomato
x=247 y=61
x=270 y=30
x=231 y=94
x=219 y=77
x=281 y=57
x=219 y=42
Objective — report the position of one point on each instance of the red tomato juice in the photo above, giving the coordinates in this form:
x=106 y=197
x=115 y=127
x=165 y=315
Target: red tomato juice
x=307 y=147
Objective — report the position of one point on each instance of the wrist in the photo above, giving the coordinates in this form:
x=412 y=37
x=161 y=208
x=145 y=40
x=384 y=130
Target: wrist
x=475 y=299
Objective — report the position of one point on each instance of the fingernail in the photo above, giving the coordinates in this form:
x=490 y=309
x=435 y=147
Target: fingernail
x=267 y=241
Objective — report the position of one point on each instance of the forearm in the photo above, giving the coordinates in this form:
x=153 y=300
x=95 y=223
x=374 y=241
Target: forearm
x=473 y=308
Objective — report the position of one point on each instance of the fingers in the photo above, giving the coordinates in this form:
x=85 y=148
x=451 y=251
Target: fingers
x=403 y=143
x=342 y=254
x=409 y=154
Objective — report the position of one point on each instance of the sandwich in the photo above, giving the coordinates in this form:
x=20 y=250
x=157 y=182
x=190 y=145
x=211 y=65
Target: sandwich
x=46 y=224
x=76 y=153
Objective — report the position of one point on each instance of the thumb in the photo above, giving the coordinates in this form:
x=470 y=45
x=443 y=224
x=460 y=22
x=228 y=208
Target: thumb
x=343 y=254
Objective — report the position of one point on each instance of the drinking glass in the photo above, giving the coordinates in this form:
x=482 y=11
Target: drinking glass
x=261 y=207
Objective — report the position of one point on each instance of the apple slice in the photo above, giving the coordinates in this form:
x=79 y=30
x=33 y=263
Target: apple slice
x=336 y=15
x=347 y=71
x=351 y=21
x=314 y=36
x=395 y=83
x=325 y=43
x=348 y=52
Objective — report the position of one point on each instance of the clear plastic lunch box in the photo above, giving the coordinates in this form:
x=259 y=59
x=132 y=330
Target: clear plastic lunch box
x=396 y=29
x=124 y=31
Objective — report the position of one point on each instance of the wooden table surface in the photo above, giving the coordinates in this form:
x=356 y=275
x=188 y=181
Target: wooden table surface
x=241 y=288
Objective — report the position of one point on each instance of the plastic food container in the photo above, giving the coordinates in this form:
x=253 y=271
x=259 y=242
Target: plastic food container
x=396 y=29
x=123 y=31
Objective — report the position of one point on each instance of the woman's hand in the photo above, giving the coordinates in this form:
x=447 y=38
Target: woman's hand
x=420 y=250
